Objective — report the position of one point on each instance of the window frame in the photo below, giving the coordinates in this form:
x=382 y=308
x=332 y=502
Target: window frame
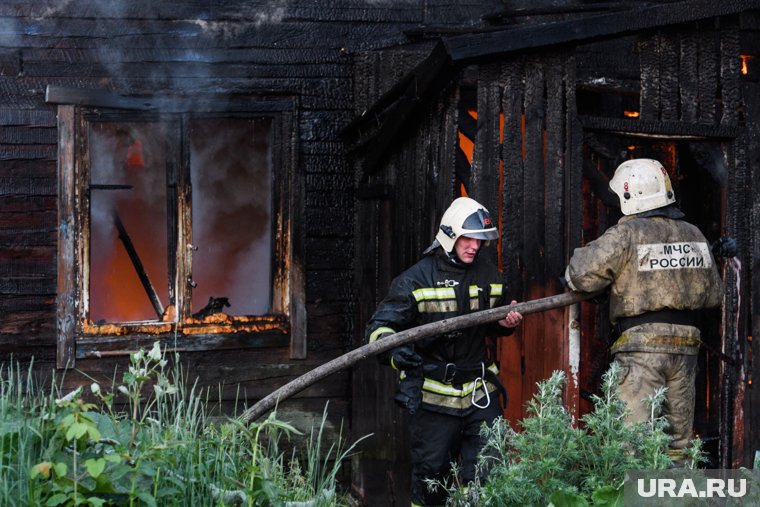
x=77 y=339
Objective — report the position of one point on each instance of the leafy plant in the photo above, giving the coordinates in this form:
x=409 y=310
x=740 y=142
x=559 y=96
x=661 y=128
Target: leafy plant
x=162 y=448
x=550 y=461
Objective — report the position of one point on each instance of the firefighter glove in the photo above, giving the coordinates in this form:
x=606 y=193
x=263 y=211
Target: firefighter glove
x=403 y=358
x=725 y=247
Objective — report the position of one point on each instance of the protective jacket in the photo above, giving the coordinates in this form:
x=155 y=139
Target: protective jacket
x=651 y=264
x=457 y=374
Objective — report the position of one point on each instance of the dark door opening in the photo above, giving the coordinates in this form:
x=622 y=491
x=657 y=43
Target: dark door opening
x=698 y=172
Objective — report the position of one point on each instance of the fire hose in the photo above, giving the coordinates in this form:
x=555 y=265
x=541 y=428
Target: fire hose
x=348 y=359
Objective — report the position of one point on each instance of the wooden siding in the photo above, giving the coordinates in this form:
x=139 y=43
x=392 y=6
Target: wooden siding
x=187 y=50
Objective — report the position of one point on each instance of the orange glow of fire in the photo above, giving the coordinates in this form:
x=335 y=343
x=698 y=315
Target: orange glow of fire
x=135 y=158
x=745 y=63
x=468 y=147
x=631 y=114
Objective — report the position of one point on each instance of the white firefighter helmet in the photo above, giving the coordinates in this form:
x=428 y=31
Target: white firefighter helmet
x=465 y=217
x=642 y=184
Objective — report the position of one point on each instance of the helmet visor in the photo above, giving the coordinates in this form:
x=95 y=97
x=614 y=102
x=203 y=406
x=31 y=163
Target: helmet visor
x=479 y=226
x=486 y=234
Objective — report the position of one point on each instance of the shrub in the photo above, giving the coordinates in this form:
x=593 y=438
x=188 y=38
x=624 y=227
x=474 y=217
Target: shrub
x=551 y=461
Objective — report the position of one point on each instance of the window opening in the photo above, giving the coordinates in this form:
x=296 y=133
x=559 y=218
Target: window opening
x=129 y=280
x=232 y=216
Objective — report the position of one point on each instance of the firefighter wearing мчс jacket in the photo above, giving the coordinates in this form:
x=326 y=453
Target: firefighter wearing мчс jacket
x=449 y=383
x=660 y=272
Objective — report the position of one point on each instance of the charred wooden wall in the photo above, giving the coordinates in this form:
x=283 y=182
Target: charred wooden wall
x=224 y=48
x=684 y=84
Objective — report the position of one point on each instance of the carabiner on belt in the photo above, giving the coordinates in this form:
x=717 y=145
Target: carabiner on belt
x=485 y=388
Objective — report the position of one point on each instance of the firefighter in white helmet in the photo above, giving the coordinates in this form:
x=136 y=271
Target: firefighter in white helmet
x=660 y=271
x=448 y=383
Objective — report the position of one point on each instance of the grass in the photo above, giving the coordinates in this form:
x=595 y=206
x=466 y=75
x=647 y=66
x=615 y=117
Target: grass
x=157 y=446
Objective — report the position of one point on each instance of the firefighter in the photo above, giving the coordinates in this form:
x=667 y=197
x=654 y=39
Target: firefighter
x=660 y=271
x=448 y=383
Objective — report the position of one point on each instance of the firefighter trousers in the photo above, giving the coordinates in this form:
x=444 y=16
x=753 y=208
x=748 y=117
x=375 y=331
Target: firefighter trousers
x=437 y=441
x=643 y=372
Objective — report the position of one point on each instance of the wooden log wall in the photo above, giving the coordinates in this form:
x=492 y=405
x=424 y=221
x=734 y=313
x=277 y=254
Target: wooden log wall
x=749 y=91
x=525 y=172
x=694 y=77
x=398 y=210
x=226 y=48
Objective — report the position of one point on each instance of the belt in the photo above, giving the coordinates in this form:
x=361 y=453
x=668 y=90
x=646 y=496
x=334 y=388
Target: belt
x=453 y=374
x=667 y=316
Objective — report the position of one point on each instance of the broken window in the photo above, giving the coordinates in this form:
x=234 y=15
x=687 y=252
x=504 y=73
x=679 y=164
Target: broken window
x=176 y=226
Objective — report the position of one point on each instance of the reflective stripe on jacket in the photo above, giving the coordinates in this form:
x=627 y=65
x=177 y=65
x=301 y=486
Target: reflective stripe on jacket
x=434 y=289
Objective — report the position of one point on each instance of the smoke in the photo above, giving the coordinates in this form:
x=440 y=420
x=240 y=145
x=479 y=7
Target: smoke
x=232 y=216
x=55 y=9
x=8 y=32
x=116 y=160
x=245 y=19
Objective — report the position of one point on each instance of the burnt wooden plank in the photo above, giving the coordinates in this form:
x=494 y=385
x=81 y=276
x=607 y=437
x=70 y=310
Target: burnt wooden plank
x=554 y=231
x=573 y=203
x=328 y=199
x=387 y=116
x=574 y=169
x=321 y=125
x=326 y=253
x=27 y=204
x=333 y=223
x=27 y=118
x=730 y=72
x=751 y=96
x=485 y=177
x=734 y=303
x=446 y=149
x=26 y=152
x=139 y=9
x=668 y=75
x=24 y=261
x=689 y=76
x=28 y=324
x=152 y=56
x=31 y=235
x=27 y=135
x=349 y=11
x=533 y=175
x=27 y=186
x=67 y=311
x=10 y=62
x=338 y=281
x=336 y=322
x=512 y=238
x=322 y=93
x=28 y=285
x=317 y=166
x=34 y=349
x=708 y=75
x=27 y=303
x=109 y=346
x=502 y=42
x=649 y=56
x=660 y=129
x=197 y=70
x=614 y=59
